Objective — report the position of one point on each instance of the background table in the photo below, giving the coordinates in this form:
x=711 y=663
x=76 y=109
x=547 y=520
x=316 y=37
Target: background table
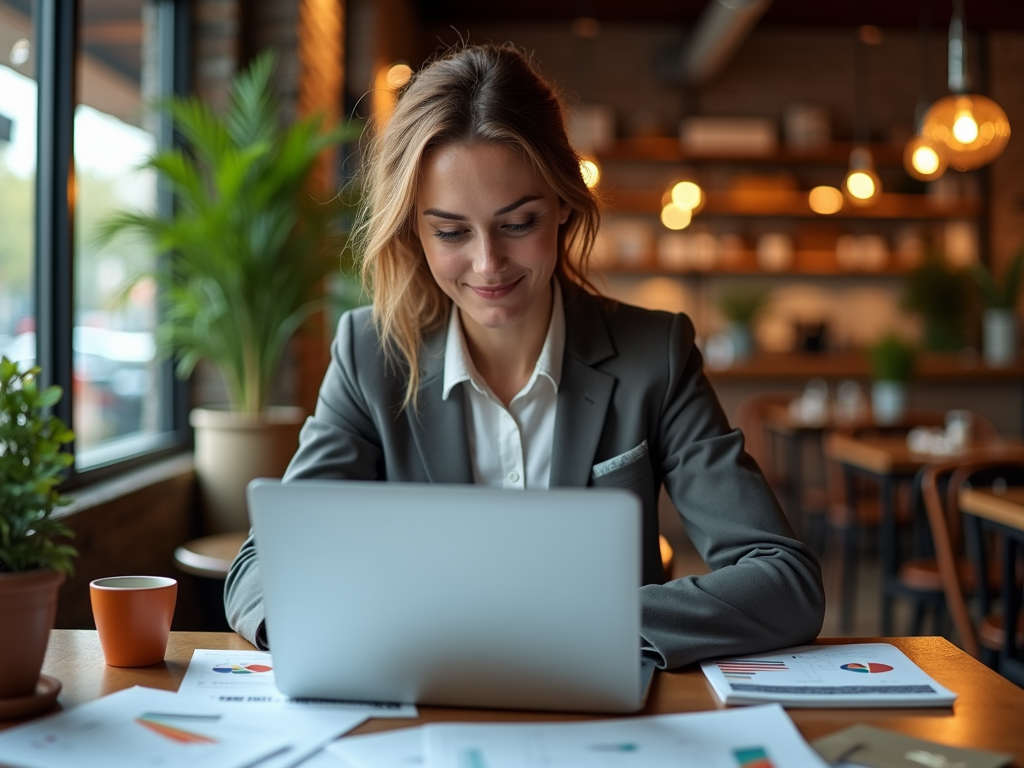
x=987 y=714
x=887 y=460
x=1004 y=513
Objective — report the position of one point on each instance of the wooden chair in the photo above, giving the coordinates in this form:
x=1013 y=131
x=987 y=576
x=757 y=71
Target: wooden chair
x=988 y=628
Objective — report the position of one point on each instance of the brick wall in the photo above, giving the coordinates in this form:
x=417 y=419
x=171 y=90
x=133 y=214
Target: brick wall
x=216 y=48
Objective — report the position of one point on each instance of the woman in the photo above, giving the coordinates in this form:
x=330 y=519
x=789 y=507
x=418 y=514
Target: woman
x=485 y=359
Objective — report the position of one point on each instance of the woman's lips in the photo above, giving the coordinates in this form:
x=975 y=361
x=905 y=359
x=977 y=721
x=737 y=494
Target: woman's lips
x=495 y=291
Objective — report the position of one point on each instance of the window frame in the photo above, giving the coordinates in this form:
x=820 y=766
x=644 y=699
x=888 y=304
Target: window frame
x=56 y=51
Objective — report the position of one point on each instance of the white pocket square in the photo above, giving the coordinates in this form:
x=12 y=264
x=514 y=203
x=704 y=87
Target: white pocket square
x=620 y=461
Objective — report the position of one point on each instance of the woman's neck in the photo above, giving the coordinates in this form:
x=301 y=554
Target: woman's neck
x=506 y=357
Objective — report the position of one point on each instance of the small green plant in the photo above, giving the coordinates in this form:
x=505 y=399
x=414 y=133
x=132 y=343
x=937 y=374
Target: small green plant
x=892 y=359
x=741 y=306
x=1001 y=293
x=31 y=463
x=939 y=294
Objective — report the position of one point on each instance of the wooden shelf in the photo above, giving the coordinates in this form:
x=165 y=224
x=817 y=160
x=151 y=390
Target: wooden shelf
x=666 y=149
x=806 y=263
x=790 y=205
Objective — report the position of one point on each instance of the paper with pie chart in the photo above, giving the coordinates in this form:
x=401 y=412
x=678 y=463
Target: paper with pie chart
x=847 y=675
x=146 y=728
x=247 y=677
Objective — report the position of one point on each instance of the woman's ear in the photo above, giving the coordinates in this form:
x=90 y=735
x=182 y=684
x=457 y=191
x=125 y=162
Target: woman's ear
x=563 y=211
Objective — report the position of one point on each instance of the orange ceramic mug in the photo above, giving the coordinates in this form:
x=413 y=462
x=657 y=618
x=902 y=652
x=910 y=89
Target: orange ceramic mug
x=133 y=615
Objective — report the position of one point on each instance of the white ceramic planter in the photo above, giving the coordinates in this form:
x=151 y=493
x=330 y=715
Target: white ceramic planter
x=742 y=339
x=233 y=448
x=1000 y=337
x=888 y=401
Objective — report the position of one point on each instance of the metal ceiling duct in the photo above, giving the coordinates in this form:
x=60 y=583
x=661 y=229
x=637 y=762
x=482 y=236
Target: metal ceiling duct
x=722 y=27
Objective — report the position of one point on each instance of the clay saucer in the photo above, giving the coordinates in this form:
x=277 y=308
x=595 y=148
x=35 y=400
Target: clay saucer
x=45 y=694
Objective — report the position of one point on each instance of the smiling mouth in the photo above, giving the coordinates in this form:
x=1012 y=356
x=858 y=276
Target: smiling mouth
x=495 y=291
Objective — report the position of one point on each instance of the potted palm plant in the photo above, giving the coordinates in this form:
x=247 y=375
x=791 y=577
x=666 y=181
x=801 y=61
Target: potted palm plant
x=33 y=561
x=249 y=252
x=1000 y=294
x=892 y=365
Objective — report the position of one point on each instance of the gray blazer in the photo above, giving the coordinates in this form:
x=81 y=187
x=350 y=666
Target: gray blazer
x=630 y=378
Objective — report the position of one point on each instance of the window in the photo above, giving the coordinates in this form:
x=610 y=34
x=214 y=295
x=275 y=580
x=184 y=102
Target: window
x=17 y=181
x=87 y=74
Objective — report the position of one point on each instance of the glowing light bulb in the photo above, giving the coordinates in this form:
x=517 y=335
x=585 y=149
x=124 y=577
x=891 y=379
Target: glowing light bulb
x=825 y=200
x=860 y=185
x=687 y=195
x=590 y=171
x=674 y=217
x=925 y=160
x=965 y=128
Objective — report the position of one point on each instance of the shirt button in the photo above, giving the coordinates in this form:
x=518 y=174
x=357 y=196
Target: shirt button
x=513 y=477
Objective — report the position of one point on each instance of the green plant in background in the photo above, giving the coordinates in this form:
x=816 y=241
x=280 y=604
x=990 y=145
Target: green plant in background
x=1000 y=292
x=939 y=295
x=31 y=463
x=892 y=359
x=249 y=250
x=742 y=305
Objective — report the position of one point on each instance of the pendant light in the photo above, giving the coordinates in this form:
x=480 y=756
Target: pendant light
x=971 y=129
x=923 y=157
x=862 y=186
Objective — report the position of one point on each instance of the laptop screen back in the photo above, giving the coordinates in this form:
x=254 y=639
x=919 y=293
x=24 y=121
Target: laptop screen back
x=454 y=595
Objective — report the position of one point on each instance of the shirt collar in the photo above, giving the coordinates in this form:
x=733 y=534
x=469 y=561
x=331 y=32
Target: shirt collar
x=458 y=366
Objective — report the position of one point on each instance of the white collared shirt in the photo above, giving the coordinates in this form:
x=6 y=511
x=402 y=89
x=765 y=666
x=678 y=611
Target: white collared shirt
x=509 y=447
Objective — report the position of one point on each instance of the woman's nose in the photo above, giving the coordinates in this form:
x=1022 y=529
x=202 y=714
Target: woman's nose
x=489 y=260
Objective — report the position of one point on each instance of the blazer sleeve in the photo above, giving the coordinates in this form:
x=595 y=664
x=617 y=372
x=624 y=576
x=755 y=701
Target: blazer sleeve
x=339 y=441
x=765 y=590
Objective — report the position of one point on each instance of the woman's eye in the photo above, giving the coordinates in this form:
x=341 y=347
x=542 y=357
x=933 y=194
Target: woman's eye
x=522 y=227
x=448 y=235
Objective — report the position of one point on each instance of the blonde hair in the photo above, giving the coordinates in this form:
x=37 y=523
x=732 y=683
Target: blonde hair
x=483 y=93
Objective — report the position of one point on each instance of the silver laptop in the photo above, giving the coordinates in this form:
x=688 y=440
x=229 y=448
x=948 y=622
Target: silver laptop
x=452 y=595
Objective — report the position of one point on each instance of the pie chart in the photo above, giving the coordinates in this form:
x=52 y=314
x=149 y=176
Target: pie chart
x=241 y=669
x=871 y=666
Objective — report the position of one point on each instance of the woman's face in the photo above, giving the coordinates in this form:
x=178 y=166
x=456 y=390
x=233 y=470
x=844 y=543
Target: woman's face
x=489 y=228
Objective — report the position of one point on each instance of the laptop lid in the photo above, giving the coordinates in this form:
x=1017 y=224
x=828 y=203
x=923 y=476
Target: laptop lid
x=452 y=595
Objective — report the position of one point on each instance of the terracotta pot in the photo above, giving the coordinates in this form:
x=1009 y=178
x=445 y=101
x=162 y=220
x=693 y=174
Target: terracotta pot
x=233 y=448
x=28 y=607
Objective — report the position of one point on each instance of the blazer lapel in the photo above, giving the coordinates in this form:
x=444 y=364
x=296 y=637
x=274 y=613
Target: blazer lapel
x=439 y=426
x=584 y=392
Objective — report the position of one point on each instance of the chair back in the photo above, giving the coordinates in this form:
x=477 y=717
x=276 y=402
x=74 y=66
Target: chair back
x=940 y=489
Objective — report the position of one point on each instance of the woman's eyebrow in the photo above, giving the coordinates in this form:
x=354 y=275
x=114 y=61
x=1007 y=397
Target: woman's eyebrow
x=521 y=201
x=459 y=217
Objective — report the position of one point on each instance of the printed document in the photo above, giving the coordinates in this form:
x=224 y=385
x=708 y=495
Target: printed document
x=147 y=728
x=757 y=736
x=232 y=677
x=849 y=675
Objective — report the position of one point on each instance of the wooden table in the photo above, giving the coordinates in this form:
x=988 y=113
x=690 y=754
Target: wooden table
x=1004 y=513
x=987 y=714
x=887 y=460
